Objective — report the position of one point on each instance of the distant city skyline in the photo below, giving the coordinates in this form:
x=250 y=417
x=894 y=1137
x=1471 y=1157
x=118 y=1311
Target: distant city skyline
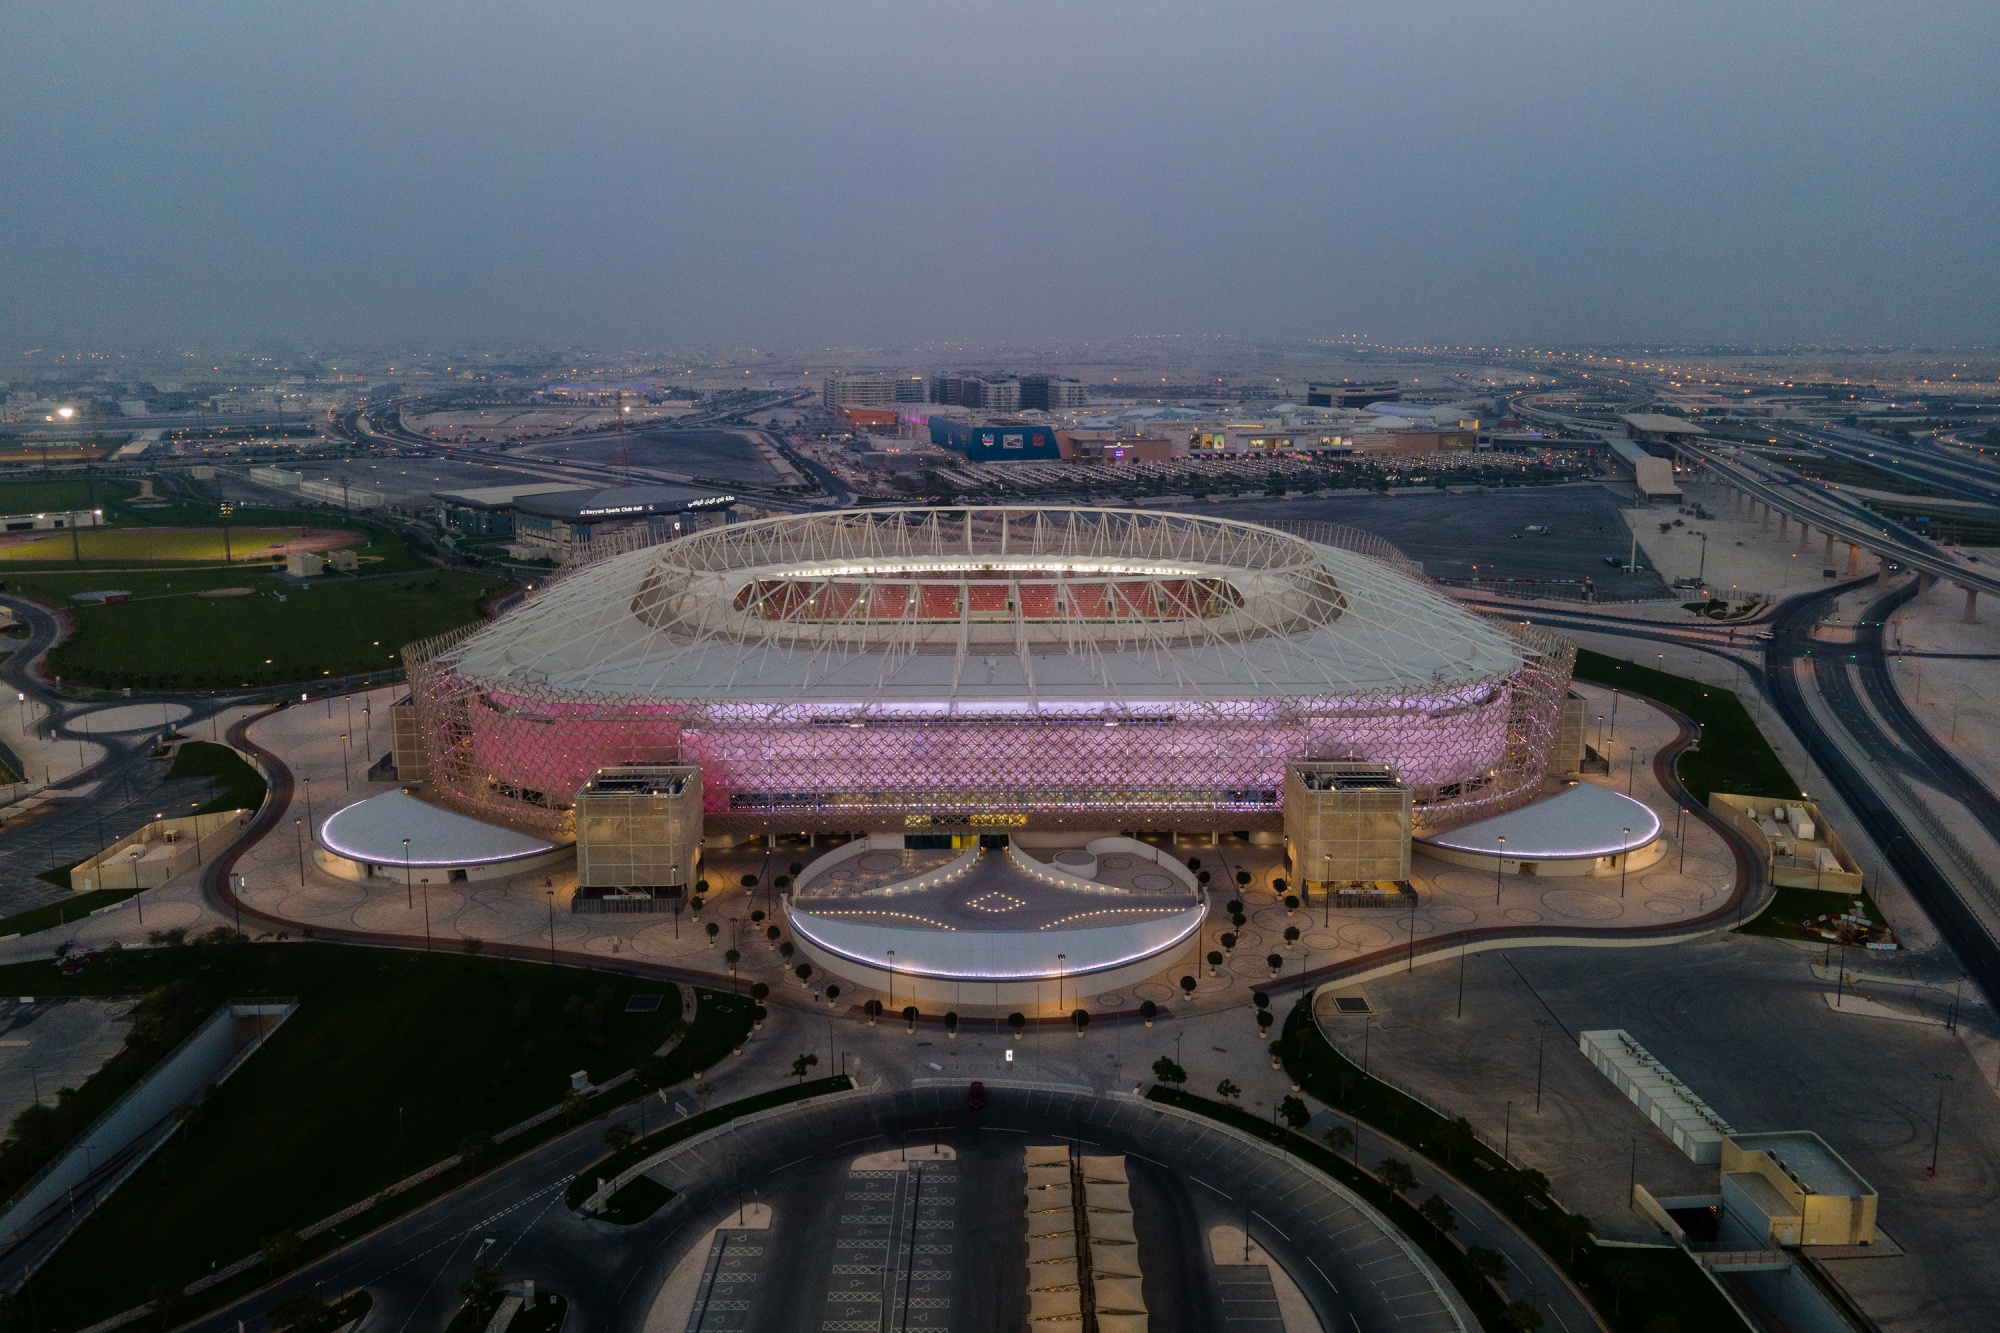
x=894 y=174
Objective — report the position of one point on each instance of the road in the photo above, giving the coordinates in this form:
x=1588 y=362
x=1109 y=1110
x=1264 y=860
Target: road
x=1189 y=1175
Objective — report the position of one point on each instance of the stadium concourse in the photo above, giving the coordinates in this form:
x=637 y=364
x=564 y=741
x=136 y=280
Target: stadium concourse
x=1039 y=893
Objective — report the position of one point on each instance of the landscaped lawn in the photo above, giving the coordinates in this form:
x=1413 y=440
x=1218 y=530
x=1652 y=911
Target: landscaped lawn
x=242 y=788
x=392 y=1061
x=1734 y=756
x=170 y=637
x=145 y=545
x=42 y=497
x=1790 y=909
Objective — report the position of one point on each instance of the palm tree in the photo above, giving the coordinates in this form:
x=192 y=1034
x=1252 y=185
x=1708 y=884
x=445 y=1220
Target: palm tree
x=1166 y=1071
x=1395 y=1173
x=1520 y=1317
x=1294 y=1113
x=805 y=1061
x=1489 y=1264
x=1437 y=1212
x=1227 y=1090
x=1340 y=1138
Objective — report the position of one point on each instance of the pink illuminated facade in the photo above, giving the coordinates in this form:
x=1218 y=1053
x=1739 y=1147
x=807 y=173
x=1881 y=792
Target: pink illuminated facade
x=990 y=667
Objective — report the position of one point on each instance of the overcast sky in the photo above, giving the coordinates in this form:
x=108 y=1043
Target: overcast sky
x=673 y=173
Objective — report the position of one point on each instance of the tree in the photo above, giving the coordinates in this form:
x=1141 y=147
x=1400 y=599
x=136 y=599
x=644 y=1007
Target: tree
x=1532 y=1181
x=304 y=1311
x=1017 y=1021
x=1489 y=1264
x=1574 y=1230
x=1243 y=878
x=1294 y=1113
x=1080 y=1019
x=1623 y=1277
x=1148 y=1011
x=1437 y=1212
x=1227 y=1090
x=653 y=1073
x=480 y=1289
x=1455 y=1136
x=1166 y=1071
x=1340 y=1138
x=618 y=1137
x=806 y=1060
x=1396 y=1174
x=1520 y=1317
x=732 y=958
x=1227 y=940
x=760 y=992
x=279 y=1250
x=574 y=1104
x=713 y=930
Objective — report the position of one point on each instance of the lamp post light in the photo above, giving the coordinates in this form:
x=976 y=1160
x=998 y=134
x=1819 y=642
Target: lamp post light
x=427 y=916
x=551 y=893
x=1499 y=863
x=346 y=783
x=1632 y=771
x=1937 y=1125
x=1624 y=860
x=1541 y=1050
x=409 y=902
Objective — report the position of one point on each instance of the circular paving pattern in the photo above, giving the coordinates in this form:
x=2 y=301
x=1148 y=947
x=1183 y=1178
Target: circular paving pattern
x=1674 y=885
x=1523 y=916
x=1582 y=904
x=1152 y=881
x=1114 y=862
x=878 y=861
x=1156 y=991
x=1364 y=937
x=1462 y=882
x=1406 y=927
x=1707 y=867
x=1451 y=914
x=1665 y=907
x=1112 y=1002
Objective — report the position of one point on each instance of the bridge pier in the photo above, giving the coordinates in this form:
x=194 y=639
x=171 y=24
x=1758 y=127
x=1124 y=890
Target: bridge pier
x=1971 y=606
x=1853 y=558
x=1784 y=527
x=1924 y=582
x=1827 y=559
x=1881 y=568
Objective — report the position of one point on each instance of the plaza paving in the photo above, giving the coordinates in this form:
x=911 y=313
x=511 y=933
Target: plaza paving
x=280 y=881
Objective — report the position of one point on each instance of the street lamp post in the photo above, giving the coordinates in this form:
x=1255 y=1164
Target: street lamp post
x=299 y=835
x=1499 y=862
x=551 y=893
x=1624 y=860
x=409 y=902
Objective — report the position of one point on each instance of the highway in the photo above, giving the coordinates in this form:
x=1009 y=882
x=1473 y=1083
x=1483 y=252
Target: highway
x=1869 y=763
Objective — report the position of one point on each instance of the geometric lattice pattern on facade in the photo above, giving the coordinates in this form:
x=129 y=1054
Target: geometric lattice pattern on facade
x=991 y=666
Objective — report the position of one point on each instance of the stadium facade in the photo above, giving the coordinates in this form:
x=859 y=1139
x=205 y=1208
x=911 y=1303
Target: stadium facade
x=982 y=669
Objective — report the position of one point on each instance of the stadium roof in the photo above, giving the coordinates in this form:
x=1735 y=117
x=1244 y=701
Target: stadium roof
x=374 y=830
x=1081 y=607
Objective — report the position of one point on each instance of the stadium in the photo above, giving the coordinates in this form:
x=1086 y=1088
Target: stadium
x=942 y=674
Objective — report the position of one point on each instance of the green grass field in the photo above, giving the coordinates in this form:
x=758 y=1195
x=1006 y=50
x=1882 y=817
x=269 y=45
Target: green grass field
x=62 y=912
x=139 y=545
x=41 y=497
x=392 y=1061
x=1734 y=755
x=242 y=788
x=1790 y=909
x=169 y=637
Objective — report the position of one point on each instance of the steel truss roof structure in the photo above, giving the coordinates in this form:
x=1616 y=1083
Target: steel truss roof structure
x=1033 y=664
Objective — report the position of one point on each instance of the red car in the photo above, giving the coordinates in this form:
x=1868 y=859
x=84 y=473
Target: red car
x=975 y=1098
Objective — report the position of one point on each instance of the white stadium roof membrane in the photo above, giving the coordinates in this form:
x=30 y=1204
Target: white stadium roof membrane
x=1140 y=606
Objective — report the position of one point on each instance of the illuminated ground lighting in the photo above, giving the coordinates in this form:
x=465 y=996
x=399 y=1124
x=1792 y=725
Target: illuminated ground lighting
x=992 y=667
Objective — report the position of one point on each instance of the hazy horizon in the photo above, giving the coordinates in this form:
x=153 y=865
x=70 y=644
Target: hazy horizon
x=893 y=174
